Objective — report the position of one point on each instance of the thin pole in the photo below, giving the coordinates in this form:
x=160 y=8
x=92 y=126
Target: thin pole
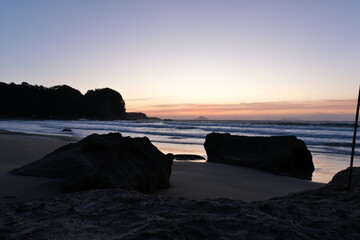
x=354 y=140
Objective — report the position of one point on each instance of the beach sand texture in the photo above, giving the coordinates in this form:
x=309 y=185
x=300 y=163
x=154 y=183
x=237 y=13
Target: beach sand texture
x=193 y=180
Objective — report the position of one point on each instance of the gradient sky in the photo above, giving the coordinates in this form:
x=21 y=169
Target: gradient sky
x=268 y=59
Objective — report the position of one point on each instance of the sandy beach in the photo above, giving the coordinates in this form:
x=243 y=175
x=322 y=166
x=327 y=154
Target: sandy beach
x=193 y=180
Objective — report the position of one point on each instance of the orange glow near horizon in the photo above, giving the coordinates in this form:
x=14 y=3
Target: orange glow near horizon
x=331 y=109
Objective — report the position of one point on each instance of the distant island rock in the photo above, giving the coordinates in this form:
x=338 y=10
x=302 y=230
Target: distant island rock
x=201 y=118
x=60 y=102
x=283 y=155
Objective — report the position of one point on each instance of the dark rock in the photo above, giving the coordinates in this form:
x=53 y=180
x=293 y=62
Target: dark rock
x=105 y=161
x=341 y=179
x=188 y=157
x=9 y=197
x=66 y=130
x=136 y=116
x=202 y=118
x=325 y=213
x=59 y=102
x=104 y=104
x=284 y=155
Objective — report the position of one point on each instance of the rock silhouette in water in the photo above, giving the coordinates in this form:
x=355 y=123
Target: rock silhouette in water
x=188 y=157
x=105 y=161
x=136 y=116
x=66 y=130
x=284 y=155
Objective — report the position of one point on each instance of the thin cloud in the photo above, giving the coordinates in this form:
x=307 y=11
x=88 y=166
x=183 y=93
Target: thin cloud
x=149 y=98
x=257 y=109
x=139 y=99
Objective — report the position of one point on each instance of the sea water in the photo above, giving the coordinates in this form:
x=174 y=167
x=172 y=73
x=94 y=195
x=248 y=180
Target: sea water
x=329 y=142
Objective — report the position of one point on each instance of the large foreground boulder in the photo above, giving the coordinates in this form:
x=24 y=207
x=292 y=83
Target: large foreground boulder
x=105 y=161
x=284 y=155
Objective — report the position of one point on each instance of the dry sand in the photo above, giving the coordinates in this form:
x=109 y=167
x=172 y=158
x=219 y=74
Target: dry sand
x=193 y=180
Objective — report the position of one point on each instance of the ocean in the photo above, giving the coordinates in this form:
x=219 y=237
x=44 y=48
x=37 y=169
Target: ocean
x=329 y=142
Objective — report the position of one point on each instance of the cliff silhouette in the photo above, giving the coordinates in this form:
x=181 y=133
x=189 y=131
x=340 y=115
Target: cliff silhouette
x=59 y=102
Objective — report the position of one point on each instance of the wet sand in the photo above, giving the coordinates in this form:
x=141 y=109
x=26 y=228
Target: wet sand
x=202 y=181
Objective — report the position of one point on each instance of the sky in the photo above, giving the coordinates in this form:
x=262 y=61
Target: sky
x=255 y=59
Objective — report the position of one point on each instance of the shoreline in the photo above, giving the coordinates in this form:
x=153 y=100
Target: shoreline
x=193 y=180
x=47 y=136
x=329 y=156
